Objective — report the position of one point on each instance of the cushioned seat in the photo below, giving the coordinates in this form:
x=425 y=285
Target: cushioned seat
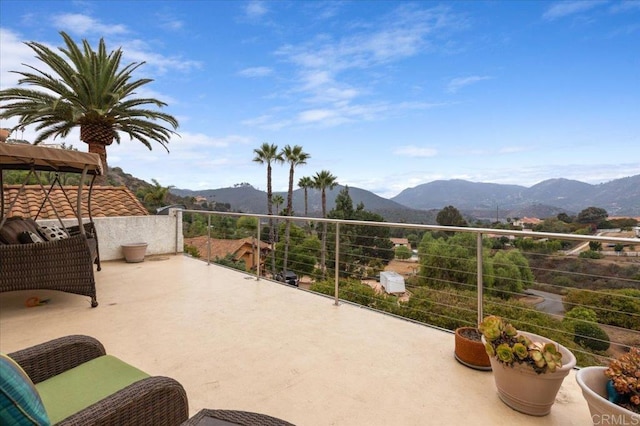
x=77 y=383
x=78 y=388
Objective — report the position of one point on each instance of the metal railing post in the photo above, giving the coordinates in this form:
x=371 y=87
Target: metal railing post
x=259 y=250
x=208 y=239
x=336 y=297
x=480 y=281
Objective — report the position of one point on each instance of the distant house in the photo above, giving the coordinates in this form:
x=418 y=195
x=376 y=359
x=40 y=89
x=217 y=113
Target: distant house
x=527 y=222
x=106 y=201
x=397 y=242
x=242 y=249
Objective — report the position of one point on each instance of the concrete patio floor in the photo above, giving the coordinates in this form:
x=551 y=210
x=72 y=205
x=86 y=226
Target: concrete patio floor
x=238 y=343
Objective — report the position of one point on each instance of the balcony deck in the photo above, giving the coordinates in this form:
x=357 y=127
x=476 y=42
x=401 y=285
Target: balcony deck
x=238 y=343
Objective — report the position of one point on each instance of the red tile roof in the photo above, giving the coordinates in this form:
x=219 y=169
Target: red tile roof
x=221 y=247
x=106 y=201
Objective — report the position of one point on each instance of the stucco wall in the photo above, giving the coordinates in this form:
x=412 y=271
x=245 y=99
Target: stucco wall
x=162 y=233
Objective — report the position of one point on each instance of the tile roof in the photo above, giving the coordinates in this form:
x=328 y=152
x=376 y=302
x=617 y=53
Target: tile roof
x=220 y=247
x=106 y=201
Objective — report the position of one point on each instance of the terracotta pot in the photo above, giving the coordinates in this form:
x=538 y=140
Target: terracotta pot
x=593 y=383
x=134 y=252
x=471 y=352
x=524 y=390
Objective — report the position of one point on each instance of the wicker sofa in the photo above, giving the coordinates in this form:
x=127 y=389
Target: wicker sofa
x=63 y=265
x=152 y=400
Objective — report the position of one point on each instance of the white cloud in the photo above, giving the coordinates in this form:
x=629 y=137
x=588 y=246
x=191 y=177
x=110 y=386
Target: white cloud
x=626 y=6
x=458 y=83
x=137 y=50
x=255 y=9
x=415 y=151
x=76 y=23
x=13 y=53
x=567 y=8
x=324 y=65
x=256 y=72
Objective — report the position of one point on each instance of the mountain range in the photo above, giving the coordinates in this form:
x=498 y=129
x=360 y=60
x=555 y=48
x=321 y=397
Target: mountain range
x=420 y=204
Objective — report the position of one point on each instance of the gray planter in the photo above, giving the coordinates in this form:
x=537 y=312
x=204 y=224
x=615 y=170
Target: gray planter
x=134 y=252
x=522 y=389
x=593 y=383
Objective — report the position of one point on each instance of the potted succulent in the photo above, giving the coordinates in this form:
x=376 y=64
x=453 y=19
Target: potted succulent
x=528 y=369
x=613 y=393
x=469 y=349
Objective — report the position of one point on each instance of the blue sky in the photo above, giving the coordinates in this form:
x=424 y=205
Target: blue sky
x=385 y=95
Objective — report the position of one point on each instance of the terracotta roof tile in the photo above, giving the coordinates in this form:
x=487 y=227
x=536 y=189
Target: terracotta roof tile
x=219 y=247
x=106 y=201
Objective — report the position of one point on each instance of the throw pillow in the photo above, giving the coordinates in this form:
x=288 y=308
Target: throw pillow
x=28 y=237
x=20 y=403
x=52 y=232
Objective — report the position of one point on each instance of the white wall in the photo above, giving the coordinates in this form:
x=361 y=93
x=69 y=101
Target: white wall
x=163 y=233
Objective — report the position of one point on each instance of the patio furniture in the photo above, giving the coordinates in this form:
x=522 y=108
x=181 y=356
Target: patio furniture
x=208 y=417
x=46 y=261
x=79 y=384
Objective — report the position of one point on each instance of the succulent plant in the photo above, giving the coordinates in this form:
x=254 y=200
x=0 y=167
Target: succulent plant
x=505 y=344
x=624 y=373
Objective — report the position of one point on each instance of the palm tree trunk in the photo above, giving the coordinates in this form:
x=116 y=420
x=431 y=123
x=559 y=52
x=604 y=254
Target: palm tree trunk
x=270 y=212
x=101 y=150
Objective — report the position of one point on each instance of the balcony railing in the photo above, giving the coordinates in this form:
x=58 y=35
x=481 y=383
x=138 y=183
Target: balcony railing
x=537 y=280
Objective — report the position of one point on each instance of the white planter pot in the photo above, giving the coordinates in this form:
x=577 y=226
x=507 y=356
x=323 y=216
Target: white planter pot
x=524 y=390
x=134 y=252
x=593 y=383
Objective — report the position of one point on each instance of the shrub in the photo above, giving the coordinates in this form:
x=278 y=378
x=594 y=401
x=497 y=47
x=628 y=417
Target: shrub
x=591 y=336
x=192 y=250
x=591 y=255
x=619 y=308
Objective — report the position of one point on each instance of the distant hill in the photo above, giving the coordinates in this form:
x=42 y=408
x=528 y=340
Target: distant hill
x=618 y=197
x=245 y=198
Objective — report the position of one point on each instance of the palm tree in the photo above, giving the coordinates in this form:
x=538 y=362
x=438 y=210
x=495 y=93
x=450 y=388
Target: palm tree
x=268 y=154
x=87 y=89
x=154 y=196
x=323 y=180
x=278 y=200
x=305 y=183
x=295 y=156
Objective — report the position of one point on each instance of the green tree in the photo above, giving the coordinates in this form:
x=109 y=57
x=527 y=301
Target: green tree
x=154 y=196
x=321 y=181
x=268 y=154
x=565 y=218
x=87 y=89
x=360 y=245
x=402 y=252
x=592 y=215
x=595 y=245
x=295 y=156
x=450 y=216
x=247 y=225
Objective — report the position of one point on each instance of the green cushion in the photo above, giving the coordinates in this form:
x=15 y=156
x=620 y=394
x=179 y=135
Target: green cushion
x=86 y=384
x=20 y=403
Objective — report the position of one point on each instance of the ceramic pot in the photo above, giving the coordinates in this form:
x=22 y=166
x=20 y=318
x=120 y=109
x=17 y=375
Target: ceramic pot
x=134 y=252
x=524 y=390
x=593 y=383
x=471 y=352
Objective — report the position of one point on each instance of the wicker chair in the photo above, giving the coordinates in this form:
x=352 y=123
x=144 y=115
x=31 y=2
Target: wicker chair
x=150 y=401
